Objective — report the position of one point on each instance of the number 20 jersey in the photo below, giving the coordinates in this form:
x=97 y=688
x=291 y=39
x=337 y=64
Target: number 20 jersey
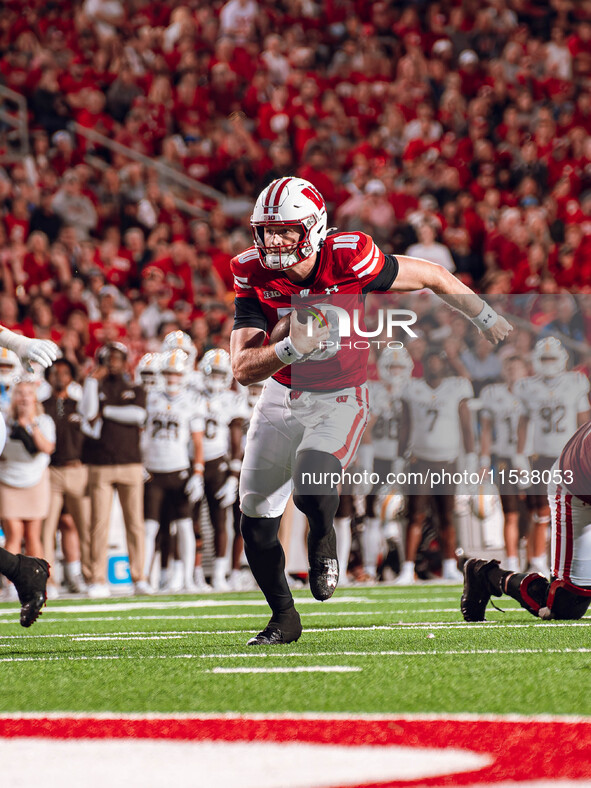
x=167 y=434
x=552 y=405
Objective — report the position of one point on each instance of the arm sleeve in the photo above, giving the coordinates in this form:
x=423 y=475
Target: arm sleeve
x=383 y=281
x=125 y=414
x=249 y=314
x=88 y=407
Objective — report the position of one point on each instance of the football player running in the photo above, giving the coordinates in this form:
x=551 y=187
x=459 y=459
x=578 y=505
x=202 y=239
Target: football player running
x=567 y=594
x=174 y=420
x=294 y=258
x=556 y=402
x=28 y=574
x=224 y=413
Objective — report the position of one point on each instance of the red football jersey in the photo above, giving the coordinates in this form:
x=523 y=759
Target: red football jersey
x=346 y=266
x=576 y=457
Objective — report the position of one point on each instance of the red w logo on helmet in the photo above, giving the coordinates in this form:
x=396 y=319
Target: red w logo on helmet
x=311 y=193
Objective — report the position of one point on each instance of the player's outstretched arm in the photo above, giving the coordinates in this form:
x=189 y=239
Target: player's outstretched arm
x=417 y=274
x=42 y=351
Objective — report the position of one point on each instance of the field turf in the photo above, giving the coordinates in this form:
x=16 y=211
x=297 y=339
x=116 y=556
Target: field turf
x=380 y=650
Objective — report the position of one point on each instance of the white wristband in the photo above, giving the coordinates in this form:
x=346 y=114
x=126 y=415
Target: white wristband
x=235 y=465
x=286 y=351
x=486 y=318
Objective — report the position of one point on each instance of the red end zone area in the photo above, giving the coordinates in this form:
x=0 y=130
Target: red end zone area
x=330 y=752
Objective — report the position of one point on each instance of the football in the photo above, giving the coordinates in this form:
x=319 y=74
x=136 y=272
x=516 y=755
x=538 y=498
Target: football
x=281 y=328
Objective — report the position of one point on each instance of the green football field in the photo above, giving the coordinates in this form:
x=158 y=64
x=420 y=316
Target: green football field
x=377 y=650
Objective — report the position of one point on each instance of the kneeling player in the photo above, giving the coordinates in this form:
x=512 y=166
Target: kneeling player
x=568 y=594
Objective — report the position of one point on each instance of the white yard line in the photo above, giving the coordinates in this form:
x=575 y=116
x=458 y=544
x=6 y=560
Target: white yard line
x=284 y=655
x=297 y=669
x=419 y=626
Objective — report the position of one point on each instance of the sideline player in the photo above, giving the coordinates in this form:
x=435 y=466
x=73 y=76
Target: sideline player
x=28 y=574
x=500 y=412
x=556 y=402
x=223 y=411
x=568 y=593
x=173 y=421
x=436 y=421
x=294 y=258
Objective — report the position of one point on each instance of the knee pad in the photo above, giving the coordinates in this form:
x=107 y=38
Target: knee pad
x=260 y=533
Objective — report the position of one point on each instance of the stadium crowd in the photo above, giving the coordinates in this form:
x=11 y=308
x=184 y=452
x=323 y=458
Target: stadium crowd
x=459 y=131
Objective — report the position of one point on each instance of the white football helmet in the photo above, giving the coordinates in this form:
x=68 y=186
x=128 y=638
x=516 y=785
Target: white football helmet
x=291 y=201
x=253 y=392
x=395 y=367
x=217 y=370
x=147 y=372
x=174 y=368
x=549 y=357
x=178 y=340
x=10 y=367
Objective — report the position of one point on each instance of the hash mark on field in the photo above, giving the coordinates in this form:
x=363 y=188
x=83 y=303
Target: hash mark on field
x=297 y=669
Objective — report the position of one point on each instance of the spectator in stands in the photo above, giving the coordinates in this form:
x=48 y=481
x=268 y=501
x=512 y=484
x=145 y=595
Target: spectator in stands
x=24 y=479
x=429 y=249
x=73 y=207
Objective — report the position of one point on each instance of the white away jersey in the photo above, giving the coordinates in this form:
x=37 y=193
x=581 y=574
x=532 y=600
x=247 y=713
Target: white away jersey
x=435 y=421
x=504 y=409
x=167 y=435
x=219 y=411
x=552 y=405
x=385 y=409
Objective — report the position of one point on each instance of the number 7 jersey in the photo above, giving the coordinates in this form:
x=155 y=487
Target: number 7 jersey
x=167 y=434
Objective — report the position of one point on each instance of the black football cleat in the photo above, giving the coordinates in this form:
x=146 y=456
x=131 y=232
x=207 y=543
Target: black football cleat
x=477 y=589
x=31 y=586
x=323 y=572
x=285 y=630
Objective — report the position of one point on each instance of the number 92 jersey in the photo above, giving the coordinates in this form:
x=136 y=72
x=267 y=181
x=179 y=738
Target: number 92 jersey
x=552 y=405
x=167 y=434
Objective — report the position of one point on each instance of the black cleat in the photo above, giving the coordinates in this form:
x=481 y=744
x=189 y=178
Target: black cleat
x=287 y=630
x=477 y=589
x=31 y=586
x=323 y=575
x=323 y=572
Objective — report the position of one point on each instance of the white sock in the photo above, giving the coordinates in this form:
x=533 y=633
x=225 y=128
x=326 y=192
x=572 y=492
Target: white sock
x=342 y=526
x=178 y=571
x=164 y=575
x=198 y=576
x=151 y=527
x=219 y=568
x=511 y=563
x=73 y=569
x=186 y=546
x=371 y=541
x=407 y=568
x=450 y=565
x=540 y=564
